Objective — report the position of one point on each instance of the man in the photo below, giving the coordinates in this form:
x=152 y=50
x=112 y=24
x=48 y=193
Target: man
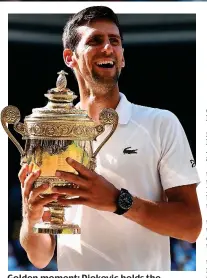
x=144 y=188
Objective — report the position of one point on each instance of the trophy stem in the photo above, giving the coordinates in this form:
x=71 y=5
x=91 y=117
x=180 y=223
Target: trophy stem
x=57 y=224
x=57 y=215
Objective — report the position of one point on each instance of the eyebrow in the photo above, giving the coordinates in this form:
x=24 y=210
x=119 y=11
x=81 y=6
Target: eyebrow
x=115 y=36
x=101 y=35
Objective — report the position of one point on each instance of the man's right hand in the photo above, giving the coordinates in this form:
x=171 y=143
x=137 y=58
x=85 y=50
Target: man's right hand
x=33 y=204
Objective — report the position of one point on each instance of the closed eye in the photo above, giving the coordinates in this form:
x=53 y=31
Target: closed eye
x=114 y=41
x=95 y=41
x=99 y=39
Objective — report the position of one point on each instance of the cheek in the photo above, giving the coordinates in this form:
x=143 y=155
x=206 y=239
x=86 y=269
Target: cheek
x=85 y=65
x=82 y=53
x=82 y=62
x=88 y=58
x=119 y=55
x=121 y=61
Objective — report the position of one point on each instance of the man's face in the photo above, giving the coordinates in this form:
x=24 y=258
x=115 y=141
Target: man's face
x=99 y=53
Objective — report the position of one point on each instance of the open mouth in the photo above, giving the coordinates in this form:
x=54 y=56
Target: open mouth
x=105 y=64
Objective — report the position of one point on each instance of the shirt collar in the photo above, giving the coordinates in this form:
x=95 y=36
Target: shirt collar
x=124 y=109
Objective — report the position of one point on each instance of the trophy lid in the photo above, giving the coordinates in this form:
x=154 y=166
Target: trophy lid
x=59 y=118
x=60 y=102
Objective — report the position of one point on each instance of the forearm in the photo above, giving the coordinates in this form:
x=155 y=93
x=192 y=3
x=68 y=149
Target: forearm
x=174 y=219
x=179 y=217
x=39 y=247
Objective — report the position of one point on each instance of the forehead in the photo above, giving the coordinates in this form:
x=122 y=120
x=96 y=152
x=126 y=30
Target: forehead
x=101 y=27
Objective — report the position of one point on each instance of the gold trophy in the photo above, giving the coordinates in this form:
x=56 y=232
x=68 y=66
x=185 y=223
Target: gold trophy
x=53 y=133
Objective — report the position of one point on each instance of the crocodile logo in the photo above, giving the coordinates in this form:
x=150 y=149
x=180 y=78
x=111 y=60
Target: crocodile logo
x=128 y=151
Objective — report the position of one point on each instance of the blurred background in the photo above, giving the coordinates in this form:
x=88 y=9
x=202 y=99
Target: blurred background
x=160 y=54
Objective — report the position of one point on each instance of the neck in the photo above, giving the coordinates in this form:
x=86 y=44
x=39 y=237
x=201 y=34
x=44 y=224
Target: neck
x=93 y=100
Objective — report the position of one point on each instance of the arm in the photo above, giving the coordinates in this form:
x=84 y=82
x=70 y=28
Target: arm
x=179 y=217
x=39 y=247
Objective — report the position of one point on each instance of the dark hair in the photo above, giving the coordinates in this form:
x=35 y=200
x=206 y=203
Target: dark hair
x=71 y=37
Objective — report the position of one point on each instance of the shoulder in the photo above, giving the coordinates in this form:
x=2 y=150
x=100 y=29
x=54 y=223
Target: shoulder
x=151 y=115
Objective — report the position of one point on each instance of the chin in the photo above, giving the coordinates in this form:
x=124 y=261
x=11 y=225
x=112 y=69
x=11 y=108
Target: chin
x=106 y=79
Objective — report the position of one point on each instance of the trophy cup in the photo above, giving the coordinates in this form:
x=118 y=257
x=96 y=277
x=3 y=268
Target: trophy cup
x=53 y=133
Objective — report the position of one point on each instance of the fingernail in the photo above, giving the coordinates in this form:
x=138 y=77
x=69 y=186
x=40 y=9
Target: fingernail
x=36 y=172
x=25 y=165
x=45 y=185
x=55 y=196
x=69 y=160
x=58 y=174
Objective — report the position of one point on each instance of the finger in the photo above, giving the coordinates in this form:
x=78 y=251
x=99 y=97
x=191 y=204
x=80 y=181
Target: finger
x=31 y=166
x=71 y=191
x=41 y=202
x=46 y=216
x=74 y=201
x=80 y=168
x=71 y=178
x=28 y=183
x=37 y=191
x=23 y=173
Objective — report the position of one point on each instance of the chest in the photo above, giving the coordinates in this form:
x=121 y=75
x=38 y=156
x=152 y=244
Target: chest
x=130 y=147
x=130 y=160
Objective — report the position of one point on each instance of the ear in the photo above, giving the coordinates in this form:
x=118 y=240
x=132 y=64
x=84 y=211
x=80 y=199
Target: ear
x=123 y=60
x=68 y=58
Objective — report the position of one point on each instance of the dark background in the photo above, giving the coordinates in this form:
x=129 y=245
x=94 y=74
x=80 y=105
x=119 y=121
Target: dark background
x=160 y=54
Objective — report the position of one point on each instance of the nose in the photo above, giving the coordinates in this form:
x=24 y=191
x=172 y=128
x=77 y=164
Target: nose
x=107 y=48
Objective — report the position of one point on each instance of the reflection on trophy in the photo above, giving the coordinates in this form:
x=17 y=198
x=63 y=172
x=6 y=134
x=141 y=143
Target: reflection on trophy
x=52 y=134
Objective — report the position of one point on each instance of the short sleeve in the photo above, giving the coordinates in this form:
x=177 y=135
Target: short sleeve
x=177 y=165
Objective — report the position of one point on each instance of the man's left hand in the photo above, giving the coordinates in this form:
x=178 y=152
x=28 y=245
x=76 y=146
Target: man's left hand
x=93 y=190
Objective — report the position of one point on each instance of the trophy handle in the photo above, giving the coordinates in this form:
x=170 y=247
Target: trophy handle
x=11 y=115
x=108 y=116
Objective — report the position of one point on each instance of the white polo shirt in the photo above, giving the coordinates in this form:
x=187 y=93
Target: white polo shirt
x=160 y=158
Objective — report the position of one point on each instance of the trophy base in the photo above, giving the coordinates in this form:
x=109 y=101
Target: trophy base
x=54 y=229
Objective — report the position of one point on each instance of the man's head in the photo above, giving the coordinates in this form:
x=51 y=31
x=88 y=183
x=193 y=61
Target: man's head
x=92 y=42
x=71 y=37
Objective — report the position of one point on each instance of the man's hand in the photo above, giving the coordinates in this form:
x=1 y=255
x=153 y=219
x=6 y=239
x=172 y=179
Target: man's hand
x=93 y=190
x=39 y=247
x=33 y=204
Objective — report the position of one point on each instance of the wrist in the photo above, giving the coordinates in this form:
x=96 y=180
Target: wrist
x=29 y=222
x=114 y=202
x=124 y=202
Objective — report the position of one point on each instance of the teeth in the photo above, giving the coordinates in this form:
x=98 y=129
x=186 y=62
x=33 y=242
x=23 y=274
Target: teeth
x=105 y=62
